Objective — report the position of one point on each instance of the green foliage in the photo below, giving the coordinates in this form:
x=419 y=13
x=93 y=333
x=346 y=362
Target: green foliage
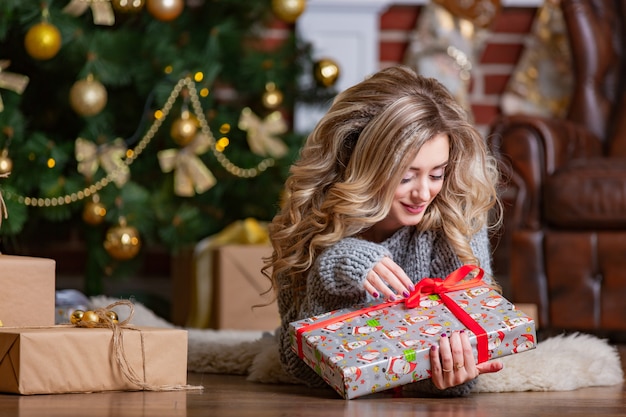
x=139 y=60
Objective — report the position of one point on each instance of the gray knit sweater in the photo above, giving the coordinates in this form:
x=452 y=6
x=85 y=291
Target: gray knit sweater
x=336 y=281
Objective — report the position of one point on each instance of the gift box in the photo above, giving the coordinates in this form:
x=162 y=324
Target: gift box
x=220 y=282
x=27 y=291
x=240 y=285
x=65 y=359
x=374 y=347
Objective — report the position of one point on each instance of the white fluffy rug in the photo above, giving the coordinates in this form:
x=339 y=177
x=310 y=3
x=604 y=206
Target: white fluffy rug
x=560 y=363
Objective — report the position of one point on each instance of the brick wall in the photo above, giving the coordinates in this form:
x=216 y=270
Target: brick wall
x=491 y=74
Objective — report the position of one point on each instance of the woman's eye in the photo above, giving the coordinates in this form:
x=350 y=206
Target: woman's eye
x=438 y=175
x=405 y=180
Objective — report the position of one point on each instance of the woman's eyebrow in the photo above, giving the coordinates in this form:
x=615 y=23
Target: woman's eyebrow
x=441 y=165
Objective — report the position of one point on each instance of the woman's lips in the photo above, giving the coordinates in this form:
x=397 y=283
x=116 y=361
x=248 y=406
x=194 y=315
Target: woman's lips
x=414 y=209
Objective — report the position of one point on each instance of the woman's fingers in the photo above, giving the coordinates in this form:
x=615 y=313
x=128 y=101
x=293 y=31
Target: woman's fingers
x=453 y=363
x=404 y=283
x=389 y=280
x=489 y=367
x=377 y=287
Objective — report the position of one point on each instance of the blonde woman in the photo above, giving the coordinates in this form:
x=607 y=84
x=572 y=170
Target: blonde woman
x=393 y=185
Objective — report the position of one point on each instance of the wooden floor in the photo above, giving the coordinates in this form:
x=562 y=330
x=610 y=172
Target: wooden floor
x=233 y=396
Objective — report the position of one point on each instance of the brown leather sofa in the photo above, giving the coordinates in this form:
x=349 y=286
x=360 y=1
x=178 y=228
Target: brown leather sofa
x=564 y=235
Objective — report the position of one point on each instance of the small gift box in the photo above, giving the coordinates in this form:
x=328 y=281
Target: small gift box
x=375 y=347
x=27 y=291
x=68 y=358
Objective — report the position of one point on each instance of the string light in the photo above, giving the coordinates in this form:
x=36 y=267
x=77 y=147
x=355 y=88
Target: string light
x=132 y=154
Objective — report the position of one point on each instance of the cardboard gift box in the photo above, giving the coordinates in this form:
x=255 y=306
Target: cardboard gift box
x=65 y=359
x=27 y=287
x=239 y=286
x=375 y=347
x=218 y=287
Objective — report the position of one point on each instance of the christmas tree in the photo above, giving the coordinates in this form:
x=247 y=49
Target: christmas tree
x=145 y=122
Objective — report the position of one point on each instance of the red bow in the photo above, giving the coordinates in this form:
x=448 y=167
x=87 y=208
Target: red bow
x=452 y=282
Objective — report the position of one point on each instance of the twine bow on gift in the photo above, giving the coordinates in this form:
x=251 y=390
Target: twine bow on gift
x=103 y=318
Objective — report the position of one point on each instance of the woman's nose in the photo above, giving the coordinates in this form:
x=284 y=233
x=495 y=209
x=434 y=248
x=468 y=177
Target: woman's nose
x=421 y=191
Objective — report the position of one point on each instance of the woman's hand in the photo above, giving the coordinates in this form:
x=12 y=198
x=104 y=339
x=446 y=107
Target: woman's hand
x=452 y=362
x=387 y=277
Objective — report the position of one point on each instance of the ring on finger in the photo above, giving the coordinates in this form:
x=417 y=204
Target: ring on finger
x=446 y=370
x=459 y=365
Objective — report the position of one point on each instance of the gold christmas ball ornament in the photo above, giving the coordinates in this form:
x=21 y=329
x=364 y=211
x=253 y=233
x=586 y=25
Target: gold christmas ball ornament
x=77 y=315
x=42 y=41
x=90 y=318
x=122 y=242
x=184 y=129
x=288 y=10
x=112 y=315
x=128 y=6
x=165 y=10
x=6 y=164
x=94 y=211
x=326 y=72
x=273 y=97
x=88 y=97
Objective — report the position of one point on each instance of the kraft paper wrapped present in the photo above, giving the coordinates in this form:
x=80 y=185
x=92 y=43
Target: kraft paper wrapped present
x=238 y=277
x=66 y=359
x=375 y=347
x=27 y=291
x=226 y=267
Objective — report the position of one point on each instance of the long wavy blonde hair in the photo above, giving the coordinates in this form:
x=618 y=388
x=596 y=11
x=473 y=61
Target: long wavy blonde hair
x=352 y=162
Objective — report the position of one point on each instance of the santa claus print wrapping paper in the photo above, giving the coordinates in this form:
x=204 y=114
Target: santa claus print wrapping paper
x=375 y=347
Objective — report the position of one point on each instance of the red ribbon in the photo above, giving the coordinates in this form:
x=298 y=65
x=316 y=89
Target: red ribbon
x=427 y=286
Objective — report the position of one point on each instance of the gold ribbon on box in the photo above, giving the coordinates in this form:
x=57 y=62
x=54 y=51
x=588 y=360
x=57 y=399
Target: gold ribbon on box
x=11 y=81
x=101 y=10
x=190 y=174
x=245 y=232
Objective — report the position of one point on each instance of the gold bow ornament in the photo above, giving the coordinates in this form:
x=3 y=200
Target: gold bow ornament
x=190 y=174
x=261 y=133
x=11 y=81
x=101 y=10
x=109 y=156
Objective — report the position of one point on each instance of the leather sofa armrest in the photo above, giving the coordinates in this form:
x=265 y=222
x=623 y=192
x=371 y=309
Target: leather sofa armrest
x=530 y=148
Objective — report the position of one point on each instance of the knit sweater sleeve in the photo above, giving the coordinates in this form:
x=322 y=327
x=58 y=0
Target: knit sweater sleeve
x=341 y=269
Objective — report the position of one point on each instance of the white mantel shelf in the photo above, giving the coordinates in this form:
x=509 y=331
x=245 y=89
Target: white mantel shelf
x=347 y=31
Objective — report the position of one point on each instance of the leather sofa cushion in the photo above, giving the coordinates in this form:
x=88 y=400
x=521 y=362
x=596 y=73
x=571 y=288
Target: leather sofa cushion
x=587 y=194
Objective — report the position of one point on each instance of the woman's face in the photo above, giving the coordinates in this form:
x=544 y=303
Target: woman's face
x=418 y=188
